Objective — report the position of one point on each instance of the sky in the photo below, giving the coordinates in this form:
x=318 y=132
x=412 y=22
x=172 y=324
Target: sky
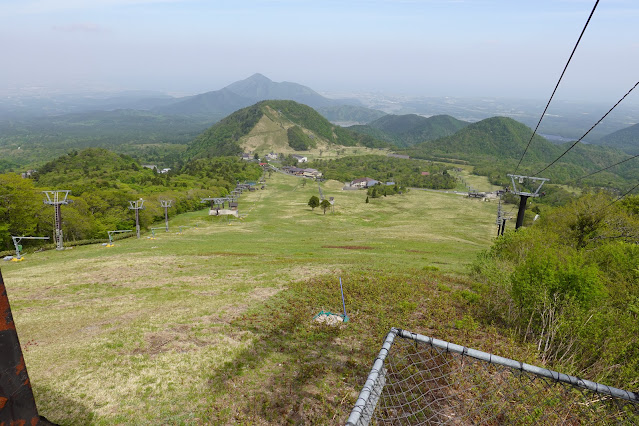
x=456 y=48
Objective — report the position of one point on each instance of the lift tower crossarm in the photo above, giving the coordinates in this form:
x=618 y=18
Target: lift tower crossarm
x=524 y=195
x=137 y=205
x=521 y=179
x=165 y=204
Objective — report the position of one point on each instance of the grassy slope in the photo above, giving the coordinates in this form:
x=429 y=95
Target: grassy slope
x=213 y=325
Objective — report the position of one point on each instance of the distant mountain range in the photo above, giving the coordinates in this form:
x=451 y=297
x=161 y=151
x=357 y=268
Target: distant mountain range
x=220 y=103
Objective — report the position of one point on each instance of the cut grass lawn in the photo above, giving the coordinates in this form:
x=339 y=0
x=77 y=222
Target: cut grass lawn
x=214 y=325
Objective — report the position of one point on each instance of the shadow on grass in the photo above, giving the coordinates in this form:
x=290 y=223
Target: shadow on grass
x=59 y=409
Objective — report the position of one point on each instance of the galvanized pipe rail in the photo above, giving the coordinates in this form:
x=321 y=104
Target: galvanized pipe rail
x=365 y=405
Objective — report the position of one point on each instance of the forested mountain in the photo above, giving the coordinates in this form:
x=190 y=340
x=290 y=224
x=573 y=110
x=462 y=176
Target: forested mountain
x=625 y=139
x=496 y=145
x=350 y=114
x=411 y=129
x=265 y=126
x=259 y=88
x=210 y=105
x=220 y=103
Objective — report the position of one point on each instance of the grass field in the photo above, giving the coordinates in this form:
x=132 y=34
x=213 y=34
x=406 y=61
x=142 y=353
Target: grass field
x=213 y=325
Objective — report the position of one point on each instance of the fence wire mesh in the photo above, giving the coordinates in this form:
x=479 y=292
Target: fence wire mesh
x=419 y=380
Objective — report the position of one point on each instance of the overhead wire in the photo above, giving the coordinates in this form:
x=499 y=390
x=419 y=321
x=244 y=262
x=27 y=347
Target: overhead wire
x=604 y=169
x=556 y=86
x=622 y=196
x=589 y=130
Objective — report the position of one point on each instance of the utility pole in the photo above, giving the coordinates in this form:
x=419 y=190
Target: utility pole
x=137 y=205
x=524 y=195
x=56 y=199
x=165 y=205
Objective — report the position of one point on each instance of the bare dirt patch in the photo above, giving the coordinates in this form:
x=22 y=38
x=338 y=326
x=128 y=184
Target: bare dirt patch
x=225 y=253
x=350 y=247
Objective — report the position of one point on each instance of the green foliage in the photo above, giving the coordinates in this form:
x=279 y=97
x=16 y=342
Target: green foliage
x=568 y=284
x=380 y=190
x=495 y=145
x=410 y=129
x=298 y=140
x=403 y=172
x=325 y=204
x=21 y=210
x=102 y=183
x=222 y=138
x=555 y=273
x=625 y=139
x=313 y=202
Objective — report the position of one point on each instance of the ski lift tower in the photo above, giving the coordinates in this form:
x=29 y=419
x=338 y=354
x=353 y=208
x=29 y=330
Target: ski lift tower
x=137 y=205
x=57 y=198
x=523 y=195
x=165 y=205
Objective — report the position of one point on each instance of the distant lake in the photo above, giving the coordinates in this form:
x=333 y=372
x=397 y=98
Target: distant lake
x=556 y=138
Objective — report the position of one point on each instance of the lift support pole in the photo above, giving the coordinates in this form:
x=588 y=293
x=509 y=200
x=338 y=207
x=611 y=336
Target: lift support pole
x=17 y=404
x=524 y=195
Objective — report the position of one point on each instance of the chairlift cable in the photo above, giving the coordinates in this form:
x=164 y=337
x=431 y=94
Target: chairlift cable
x=589 y=130
x=604 y=169
x=557 y=85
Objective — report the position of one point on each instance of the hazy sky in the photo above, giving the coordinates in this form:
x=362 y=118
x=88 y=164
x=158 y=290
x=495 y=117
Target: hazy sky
x=498 y=48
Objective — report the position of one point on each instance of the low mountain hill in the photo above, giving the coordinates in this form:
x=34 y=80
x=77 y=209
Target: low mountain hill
x=258 y=88
x=264 y=127
x=497 y=137
x=211 y=105
x=347 y=115
x=496 y=145
x=625 y=139
x=411 y=129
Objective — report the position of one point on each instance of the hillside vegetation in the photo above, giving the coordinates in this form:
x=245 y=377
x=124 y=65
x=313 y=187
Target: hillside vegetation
x=411 y=129
x=226 y=137
x=568 y=285
x=404 y=173
x=102 y=183
x=625 y=139
x=496 y=145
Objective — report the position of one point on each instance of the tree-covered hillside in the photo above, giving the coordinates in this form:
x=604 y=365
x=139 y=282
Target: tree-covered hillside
x=102 y=183
x=625 y=139
x=405 y=173
x=411 y=129
x=350 y=114
x=496 y=145
x=224 y=137
x=149 y=137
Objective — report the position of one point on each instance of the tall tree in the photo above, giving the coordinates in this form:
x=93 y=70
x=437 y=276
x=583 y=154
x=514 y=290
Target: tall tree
x=313 y=202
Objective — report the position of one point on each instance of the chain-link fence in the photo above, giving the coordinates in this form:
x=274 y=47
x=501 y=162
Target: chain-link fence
x=419 y=380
